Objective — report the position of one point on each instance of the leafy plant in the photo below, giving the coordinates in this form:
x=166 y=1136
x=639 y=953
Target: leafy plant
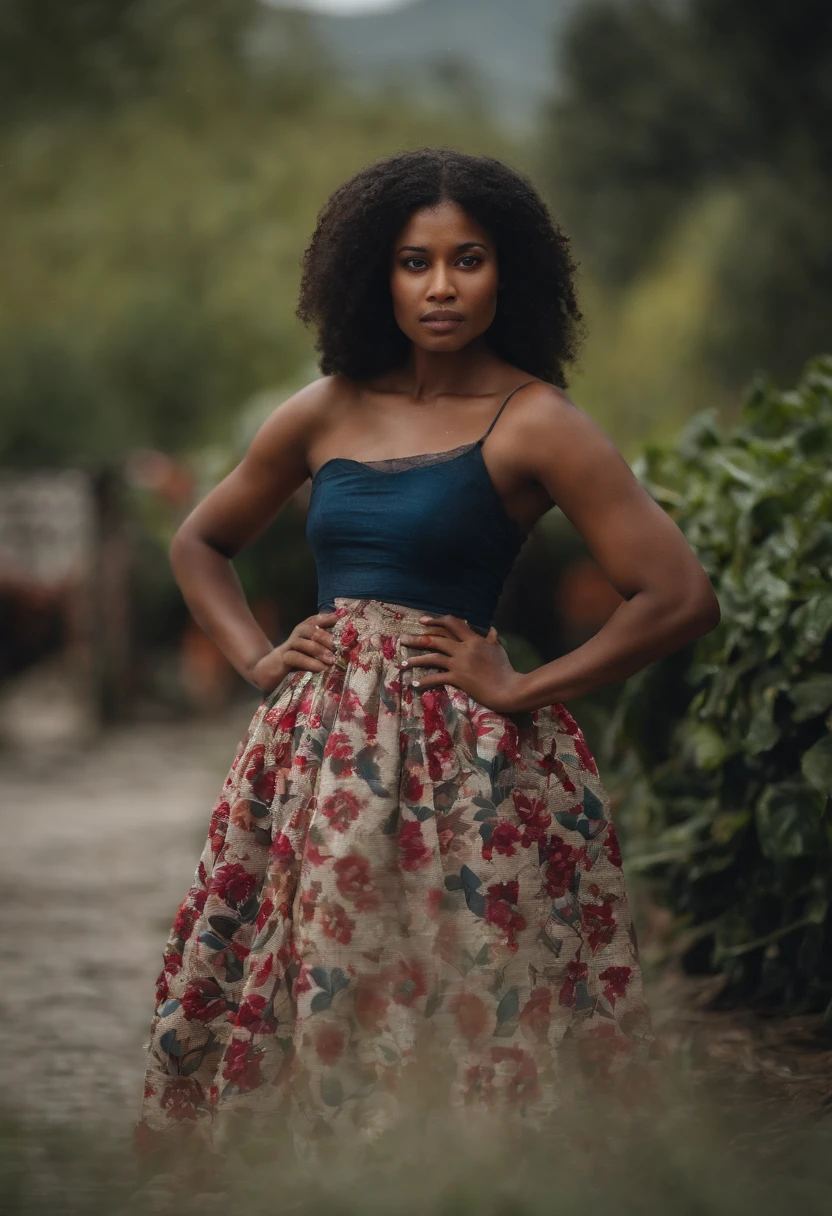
x=724 y=750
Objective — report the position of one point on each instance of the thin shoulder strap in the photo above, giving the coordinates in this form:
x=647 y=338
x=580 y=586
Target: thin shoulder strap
x=483 y=438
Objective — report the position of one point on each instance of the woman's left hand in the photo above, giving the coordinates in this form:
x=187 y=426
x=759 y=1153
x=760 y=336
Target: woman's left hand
x=478 y=665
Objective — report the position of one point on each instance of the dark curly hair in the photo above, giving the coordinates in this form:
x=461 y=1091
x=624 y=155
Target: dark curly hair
x=345 y=290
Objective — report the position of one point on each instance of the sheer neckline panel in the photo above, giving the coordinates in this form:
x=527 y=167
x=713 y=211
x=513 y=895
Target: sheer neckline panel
x=395 y=464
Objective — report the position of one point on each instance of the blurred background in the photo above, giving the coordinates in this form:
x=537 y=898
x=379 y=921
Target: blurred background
x=163 y=162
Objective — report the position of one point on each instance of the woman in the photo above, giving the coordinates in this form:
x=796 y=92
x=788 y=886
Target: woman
x=411 y=871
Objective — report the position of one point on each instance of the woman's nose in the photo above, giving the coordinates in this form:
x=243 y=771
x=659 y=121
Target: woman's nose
x=442 y=288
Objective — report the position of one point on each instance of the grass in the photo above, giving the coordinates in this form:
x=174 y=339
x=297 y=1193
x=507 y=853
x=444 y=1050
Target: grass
x=686 y=1154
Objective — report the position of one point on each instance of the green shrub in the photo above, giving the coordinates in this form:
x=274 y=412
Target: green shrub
x=724 y=750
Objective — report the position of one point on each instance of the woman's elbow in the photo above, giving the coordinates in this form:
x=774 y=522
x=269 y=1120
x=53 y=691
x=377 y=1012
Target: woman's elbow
x=702 y=608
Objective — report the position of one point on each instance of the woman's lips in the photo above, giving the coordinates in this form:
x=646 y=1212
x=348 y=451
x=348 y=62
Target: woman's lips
x=441 y=327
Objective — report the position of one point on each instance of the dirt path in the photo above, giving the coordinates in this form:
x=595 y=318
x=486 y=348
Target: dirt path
x=97 y=853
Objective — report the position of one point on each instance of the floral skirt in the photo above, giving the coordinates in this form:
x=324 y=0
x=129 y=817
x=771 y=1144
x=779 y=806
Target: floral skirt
x=402 y=895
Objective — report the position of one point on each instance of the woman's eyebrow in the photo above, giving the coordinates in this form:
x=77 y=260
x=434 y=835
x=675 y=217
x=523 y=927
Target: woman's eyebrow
x=459 y=248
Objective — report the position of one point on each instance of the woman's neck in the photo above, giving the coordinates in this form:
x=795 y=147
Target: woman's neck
x=466 y=372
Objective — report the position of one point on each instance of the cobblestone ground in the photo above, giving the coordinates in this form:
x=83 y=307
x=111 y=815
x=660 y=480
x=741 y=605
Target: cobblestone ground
x=98 y=850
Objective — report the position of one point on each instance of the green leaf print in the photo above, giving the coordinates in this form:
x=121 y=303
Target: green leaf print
x=367 y=769
x=212 y=941
x=332 y=1091
x=170 y=1045
x=593 y=806
x=391 y=823
x=508 y=1006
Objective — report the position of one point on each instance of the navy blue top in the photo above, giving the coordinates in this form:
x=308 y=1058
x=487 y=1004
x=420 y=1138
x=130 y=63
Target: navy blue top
x=427 y=531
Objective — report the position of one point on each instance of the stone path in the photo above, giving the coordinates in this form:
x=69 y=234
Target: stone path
x=98 y=850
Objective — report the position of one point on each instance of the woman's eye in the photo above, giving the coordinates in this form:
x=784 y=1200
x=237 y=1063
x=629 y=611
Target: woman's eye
x=470 y=258
x=409 y=261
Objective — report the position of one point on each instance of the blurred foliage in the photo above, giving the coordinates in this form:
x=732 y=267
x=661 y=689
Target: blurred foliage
x=689 y=152
x=164 y=161
x=725 y=748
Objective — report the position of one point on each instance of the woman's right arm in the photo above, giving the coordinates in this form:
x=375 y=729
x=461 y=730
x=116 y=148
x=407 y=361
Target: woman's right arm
x=230 y=517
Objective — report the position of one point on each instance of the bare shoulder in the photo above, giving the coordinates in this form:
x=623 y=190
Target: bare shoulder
x=295 y=424
x=541 y=407
x=553 y=434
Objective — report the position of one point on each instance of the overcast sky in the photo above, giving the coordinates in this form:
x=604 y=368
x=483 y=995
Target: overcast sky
x=339 y=6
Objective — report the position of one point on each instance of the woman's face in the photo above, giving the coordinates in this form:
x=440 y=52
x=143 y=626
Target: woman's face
x=443 y=278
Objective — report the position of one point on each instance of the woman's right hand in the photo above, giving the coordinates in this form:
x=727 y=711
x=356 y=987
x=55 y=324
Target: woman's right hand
x=309 y=647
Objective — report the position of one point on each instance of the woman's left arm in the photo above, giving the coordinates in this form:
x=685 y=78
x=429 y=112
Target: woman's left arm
x=667 y=598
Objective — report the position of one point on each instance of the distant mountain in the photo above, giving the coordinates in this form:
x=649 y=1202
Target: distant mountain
x=507 y=44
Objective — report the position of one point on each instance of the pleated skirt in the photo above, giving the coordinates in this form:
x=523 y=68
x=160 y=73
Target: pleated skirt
x=406 y=902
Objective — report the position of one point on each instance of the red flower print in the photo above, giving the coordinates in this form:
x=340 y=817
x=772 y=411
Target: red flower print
x=584 y=754
x=254 y=761
x=371 y=1003
x=503 y=839
x=350 y=706
x=412 y=788
x=203 y=1000
x=510 y=741
x=263 y=786
x=282 y=849
x=341 y=808
x=217 y=837
x=560 y=867
x=575 y=973
x=388 y=648
x=522 y=1085
x=242 y=1065
x=250 y=1015
x=551 y=764
x=612 y=846
x=261 y=973
x=536 y=1014
x=314 y=855
x=308 y=902
x=535 y=816
x=434 y=899
x=181 y=1098
x=438 y=742
x=354 y=882
x=415 y=853
x=184 y=922
x=263 y=913
x=472 y=1015
x=407 y=982
x=233 y=884
x=172 y=966
x=599 y=923
x=501 y=910
x=484 y=722
x=329 y=1044
x=339 y=747
x=617 y=979
x=336 y=924
x=239 y=950
x=349 y=634
x=303 y=982
x=284 y=720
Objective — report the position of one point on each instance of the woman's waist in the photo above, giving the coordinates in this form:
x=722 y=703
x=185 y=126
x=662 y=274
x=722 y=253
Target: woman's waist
x=364 y=619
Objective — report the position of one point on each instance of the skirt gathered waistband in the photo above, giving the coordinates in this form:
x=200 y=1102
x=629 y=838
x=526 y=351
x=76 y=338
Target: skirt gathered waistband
x=380 y=618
